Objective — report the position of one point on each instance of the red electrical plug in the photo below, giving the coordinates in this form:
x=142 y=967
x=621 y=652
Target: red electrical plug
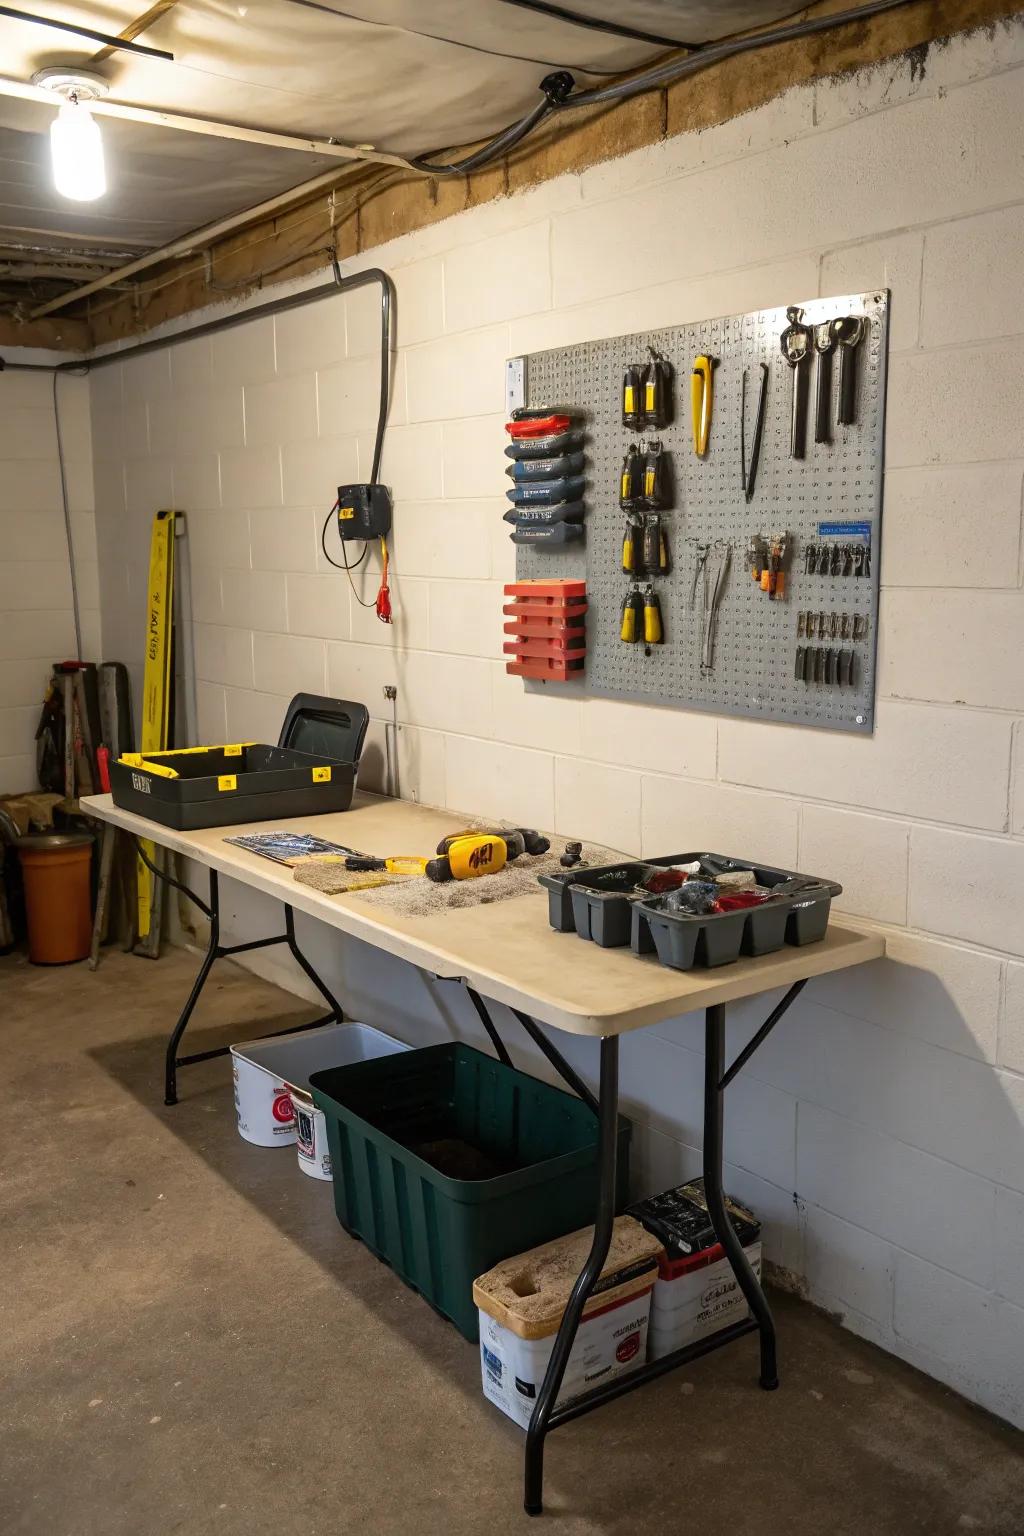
x=383 y=591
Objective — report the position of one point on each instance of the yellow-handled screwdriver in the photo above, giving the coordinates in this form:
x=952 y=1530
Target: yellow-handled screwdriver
x=630 y=618
x=654 y=631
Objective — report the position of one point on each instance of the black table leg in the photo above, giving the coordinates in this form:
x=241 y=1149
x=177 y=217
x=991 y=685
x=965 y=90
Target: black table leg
x=215 y=950
x=714 y=1095
x=300 y=959
x=607 y=1153
x=212 y=951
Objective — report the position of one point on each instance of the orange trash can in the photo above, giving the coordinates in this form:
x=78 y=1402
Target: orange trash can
x=58 y=899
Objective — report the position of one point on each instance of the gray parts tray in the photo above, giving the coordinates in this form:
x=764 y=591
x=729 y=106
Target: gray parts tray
x=600 y=904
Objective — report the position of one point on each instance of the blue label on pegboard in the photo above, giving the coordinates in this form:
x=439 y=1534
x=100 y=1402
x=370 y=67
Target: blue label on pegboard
x=845 y=531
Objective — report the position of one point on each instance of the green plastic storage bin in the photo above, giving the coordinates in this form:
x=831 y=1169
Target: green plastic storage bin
x=520 y=1158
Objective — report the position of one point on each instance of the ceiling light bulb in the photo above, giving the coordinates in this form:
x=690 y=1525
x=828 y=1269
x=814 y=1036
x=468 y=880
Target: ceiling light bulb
x=76 y=148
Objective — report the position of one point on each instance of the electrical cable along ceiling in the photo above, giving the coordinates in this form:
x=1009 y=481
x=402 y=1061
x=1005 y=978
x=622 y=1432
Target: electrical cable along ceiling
x=393 y=78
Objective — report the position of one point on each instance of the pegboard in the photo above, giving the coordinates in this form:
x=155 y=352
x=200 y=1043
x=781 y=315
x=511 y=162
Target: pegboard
x=755 y=649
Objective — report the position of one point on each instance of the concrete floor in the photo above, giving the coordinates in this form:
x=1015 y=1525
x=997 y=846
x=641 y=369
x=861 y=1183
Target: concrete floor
x=191 y=1344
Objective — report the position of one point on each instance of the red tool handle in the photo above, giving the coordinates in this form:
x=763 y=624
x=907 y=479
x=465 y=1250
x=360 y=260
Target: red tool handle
x=538 y=426
x=103 y=766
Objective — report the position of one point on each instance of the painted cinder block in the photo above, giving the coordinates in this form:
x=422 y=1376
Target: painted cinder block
x=312 y=471
x=496 y=279
x=968 y=887
x=847 y=1268
x=1010 y=1245
x=460 y=375
x=952 y=526
x=288 y=664
x=448 y=539
x=950 y=1327
x=597 y=802
x=961 y=651
x=473 y=456
x=893 y=263
x=867 y=855
x=919 y=761
x=317 y=605
x=283 y=538
x=488 y=778
x=926 y=989
x=925 y=421
x=251 y=477
x=224 y=655
x=680 y=815
x=910 y=1198
x=253 y=716
x=955 y=306
x=645 y=736
x=282 y=410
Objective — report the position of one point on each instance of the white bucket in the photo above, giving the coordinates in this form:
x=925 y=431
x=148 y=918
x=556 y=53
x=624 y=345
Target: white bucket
x=311 y=1136
x=268 y=1072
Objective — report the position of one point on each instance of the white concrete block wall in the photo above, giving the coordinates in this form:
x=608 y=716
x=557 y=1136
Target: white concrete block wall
x=36 y=622
x=879 y=1132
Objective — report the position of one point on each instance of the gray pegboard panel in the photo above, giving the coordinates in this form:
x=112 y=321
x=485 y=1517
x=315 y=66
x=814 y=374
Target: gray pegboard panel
x=755 y=652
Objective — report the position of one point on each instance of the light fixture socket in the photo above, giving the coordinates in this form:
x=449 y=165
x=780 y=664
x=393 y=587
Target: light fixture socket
x=70 y=83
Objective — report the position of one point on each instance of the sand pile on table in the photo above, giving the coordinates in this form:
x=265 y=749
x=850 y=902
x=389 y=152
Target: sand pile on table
x=415 y=896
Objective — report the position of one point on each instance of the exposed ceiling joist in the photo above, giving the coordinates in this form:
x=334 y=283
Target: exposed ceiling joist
x=209 y=128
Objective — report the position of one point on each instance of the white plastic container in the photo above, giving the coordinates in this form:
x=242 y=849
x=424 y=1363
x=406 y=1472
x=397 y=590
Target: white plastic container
x=268 y=1072
x=311 y=1135
x=693 y=1299
x=521 y=1302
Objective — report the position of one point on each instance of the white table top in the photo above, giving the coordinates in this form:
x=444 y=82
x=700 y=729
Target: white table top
x=505 y=949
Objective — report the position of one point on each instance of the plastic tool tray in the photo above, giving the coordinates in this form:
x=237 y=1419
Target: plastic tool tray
x=219 y=786
x=609 y=905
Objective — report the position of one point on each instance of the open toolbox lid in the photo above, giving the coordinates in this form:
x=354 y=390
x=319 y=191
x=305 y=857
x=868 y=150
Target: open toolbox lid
x=324 y=727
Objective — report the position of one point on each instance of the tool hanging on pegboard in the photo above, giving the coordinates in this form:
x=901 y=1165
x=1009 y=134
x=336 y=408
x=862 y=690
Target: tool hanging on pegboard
x=676 y=519
x=548 y=479
x=702 y=393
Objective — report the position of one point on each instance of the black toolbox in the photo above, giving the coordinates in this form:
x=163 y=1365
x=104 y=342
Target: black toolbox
x=312 y=770
x=603 y=904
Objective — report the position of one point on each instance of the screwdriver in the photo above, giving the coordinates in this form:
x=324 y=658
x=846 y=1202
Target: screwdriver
x=632 y=410
x=654 y=632
x=654 y=475
x=655 y=547
x=631 y=479
x=632 y=610
x=629 y=545
x=657 y=391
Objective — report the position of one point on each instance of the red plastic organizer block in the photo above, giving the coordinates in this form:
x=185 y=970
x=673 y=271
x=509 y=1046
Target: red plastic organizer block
x=548 y=628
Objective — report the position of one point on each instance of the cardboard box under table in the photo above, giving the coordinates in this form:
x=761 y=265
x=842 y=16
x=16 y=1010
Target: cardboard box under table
x=696 y=1293
x=521 y=1302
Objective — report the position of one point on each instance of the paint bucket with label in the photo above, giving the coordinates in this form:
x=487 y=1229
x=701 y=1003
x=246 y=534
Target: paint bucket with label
x=269 y=1073
x=311 y=1136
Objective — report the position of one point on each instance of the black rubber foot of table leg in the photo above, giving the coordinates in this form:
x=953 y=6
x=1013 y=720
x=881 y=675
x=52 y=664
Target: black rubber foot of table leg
x=769 y=1384
x=168 y=1100
x=534 y=1509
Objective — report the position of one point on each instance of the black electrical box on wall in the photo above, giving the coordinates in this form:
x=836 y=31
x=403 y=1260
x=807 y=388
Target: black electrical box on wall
x=364 y=511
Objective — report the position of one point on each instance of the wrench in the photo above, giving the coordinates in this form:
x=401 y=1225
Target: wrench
x=795 y=342
x=825 y=342
x=849 y=332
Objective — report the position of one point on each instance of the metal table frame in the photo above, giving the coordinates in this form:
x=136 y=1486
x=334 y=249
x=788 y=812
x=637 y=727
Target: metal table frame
x=538 y=1007
x=546 y=1415
x=215 y=950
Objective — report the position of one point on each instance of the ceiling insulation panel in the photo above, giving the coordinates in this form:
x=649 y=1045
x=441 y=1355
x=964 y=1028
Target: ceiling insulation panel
x=407 y=76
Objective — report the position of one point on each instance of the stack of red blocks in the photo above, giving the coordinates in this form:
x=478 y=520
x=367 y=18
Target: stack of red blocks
x=547 y=623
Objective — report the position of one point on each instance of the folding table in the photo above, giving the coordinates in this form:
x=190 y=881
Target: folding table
x=505 y=951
